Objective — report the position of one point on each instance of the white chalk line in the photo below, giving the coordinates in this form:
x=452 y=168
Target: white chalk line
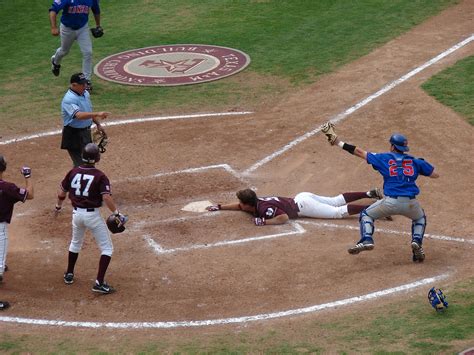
x=389 y=231
x=159 y=250
x=233 y=320
x=199 y=169
x=130 y=120
x=357 y=106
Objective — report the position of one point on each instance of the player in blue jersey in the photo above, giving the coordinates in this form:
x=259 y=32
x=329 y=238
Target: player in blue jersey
x=400 y=171
x=74 y=26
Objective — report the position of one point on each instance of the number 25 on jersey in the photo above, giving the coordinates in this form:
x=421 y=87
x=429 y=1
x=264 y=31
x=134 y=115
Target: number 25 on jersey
x=407 y=165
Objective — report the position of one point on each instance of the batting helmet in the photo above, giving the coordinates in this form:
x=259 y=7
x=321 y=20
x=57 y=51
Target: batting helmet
x=91 y=153
x=3 y=164
x=116 y=224
x=400 y=142
x=437 y=299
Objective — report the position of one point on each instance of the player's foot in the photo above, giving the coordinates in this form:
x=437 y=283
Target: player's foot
x=55 y=68
x=362 y=245
x=5 y=268
x=102 y=288
x=89 y=86
x=375 y=193
x=4 y=305
x=68 y=278
x=418 y=252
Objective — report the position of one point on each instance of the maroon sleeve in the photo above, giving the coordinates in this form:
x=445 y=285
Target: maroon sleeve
x=15 y=193
x=104 y=186
x=65 y=184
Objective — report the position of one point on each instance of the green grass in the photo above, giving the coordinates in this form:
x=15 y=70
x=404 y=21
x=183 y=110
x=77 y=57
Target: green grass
x=290 y=43
x=454 y=87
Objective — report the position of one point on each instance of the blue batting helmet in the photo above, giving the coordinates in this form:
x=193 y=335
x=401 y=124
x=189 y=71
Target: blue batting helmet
x=400 y=142
x=437 y=299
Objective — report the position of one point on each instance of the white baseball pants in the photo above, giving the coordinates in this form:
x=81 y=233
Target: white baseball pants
x=82 y=220
x=68 y=36
x=315 y=206
x=3 y=245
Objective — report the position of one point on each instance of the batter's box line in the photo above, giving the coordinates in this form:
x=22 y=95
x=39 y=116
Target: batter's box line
x=389 y=231
x=159 y=250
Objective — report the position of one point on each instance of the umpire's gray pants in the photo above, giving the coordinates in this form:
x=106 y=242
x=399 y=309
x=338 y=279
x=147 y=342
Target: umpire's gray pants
x=68 y=36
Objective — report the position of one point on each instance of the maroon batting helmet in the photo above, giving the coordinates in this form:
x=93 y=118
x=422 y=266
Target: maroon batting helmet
x=91 y=153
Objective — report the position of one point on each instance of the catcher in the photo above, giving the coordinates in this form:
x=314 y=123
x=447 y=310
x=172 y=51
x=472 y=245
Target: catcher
x=399 y=171
x=278 y=210
x=88 y=187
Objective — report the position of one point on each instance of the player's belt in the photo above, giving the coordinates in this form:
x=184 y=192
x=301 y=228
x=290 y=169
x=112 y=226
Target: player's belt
x=84 y=209
x=410 y=197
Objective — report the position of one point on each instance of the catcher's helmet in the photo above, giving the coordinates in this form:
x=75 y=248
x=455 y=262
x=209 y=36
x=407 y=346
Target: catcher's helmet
x=3 y=164
x=115 y=224
x=400 y=142
x=437 y=299
x=91 y=153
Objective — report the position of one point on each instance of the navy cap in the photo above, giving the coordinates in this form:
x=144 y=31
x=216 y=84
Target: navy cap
x=78 y=78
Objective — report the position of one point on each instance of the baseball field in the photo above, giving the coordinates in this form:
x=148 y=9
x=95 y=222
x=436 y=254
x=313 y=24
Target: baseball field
x=191 y=282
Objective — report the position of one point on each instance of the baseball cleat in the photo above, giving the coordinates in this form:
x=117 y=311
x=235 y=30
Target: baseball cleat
x=418 y=252
x=89 y=86
x=55 y=68
x=4 y=305
x=102 y=288
x=375 y=193
x=68 y=278
x=362 y=245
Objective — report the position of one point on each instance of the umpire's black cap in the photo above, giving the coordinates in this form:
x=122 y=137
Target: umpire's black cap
x=78 y=78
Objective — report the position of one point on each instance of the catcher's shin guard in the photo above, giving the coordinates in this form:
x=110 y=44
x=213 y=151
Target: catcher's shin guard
x=366 y=224
x=418 y=227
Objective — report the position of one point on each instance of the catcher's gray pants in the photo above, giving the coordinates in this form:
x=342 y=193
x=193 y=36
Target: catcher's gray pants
x=68 y=36
x=389 y=206
x=3 y=245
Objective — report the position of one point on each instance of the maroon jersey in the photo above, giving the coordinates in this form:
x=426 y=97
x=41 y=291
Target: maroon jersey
x=269 y=207
x=86 y=185
x=9 y=195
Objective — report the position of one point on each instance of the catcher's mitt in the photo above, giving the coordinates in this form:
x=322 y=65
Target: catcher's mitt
x=97 y=32
x=100 y=138
x=329 y=131
x=116 y=223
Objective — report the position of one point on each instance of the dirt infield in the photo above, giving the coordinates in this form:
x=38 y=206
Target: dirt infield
x=304 y=264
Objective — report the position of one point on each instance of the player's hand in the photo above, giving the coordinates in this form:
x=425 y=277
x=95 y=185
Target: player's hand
x=213 y=208
x=122 y=218
x=103 y=114
x=55 y=31
x=259 y=221
x=26 y=172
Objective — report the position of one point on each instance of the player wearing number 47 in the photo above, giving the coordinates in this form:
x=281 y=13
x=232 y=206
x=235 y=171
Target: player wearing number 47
x=88 y=187
x=278 y=210
x=400 y=171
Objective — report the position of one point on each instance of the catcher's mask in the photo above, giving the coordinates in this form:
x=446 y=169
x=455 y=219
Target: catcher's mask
x=400 y=142
x=114 y=224
x=437 y=299
x=91 y=154
x=3 y=164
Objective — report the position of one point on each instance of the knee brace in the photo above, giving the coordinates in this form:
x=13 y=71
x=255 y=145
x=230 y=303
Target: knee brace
x=366 y=225
x=418 y=227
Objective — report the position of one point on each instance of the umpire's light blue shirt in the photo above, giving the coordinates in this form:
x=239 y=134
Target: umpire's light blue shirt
x=73 y=103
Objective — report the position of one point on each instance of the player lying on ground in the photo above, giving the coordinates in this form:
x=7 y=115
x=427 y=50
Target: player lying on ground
x=278 y=210
x=399 y=171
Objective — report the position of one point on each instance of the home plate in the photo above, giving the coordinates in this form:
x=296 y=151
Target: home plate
x=197 y=206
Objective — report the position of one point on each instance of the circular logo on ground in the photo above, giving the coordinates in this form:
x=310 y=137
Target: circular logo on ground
x=171 y=65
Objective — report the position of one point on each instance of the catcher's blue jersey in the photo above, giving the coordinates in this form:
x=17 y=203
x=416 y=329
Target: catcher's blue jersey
x=75 y=12
x=399 y=172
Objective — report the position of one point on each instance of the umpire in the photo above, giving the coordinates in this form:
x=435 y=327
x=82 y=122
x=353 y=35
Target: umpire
x=76 y=110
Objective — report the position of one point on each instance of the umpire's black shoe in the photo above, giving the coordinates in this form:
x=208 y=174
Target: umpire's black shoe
x=4 y=305
x=68 y=278
x=102 y=288
x=55 y=68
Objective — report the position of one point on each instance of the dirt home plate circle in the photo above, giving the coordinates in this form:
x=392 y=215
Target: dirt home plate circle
x=171 y=65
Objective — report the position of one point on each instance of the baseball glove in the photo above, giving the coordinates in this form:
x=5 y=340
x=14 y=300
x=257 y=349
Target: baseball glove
x=329 y=131
x=97 y=32
x=100 y=138
x=116 y=223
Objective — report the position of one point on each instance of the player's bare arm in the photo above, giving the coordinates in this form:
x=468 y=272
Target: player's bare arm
x=110 y=203
x=229 y=206
x=434 y=175
x=94 y=115
x=280 y=219
x=97 y=20
x=352 y=149
x=54 y=26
